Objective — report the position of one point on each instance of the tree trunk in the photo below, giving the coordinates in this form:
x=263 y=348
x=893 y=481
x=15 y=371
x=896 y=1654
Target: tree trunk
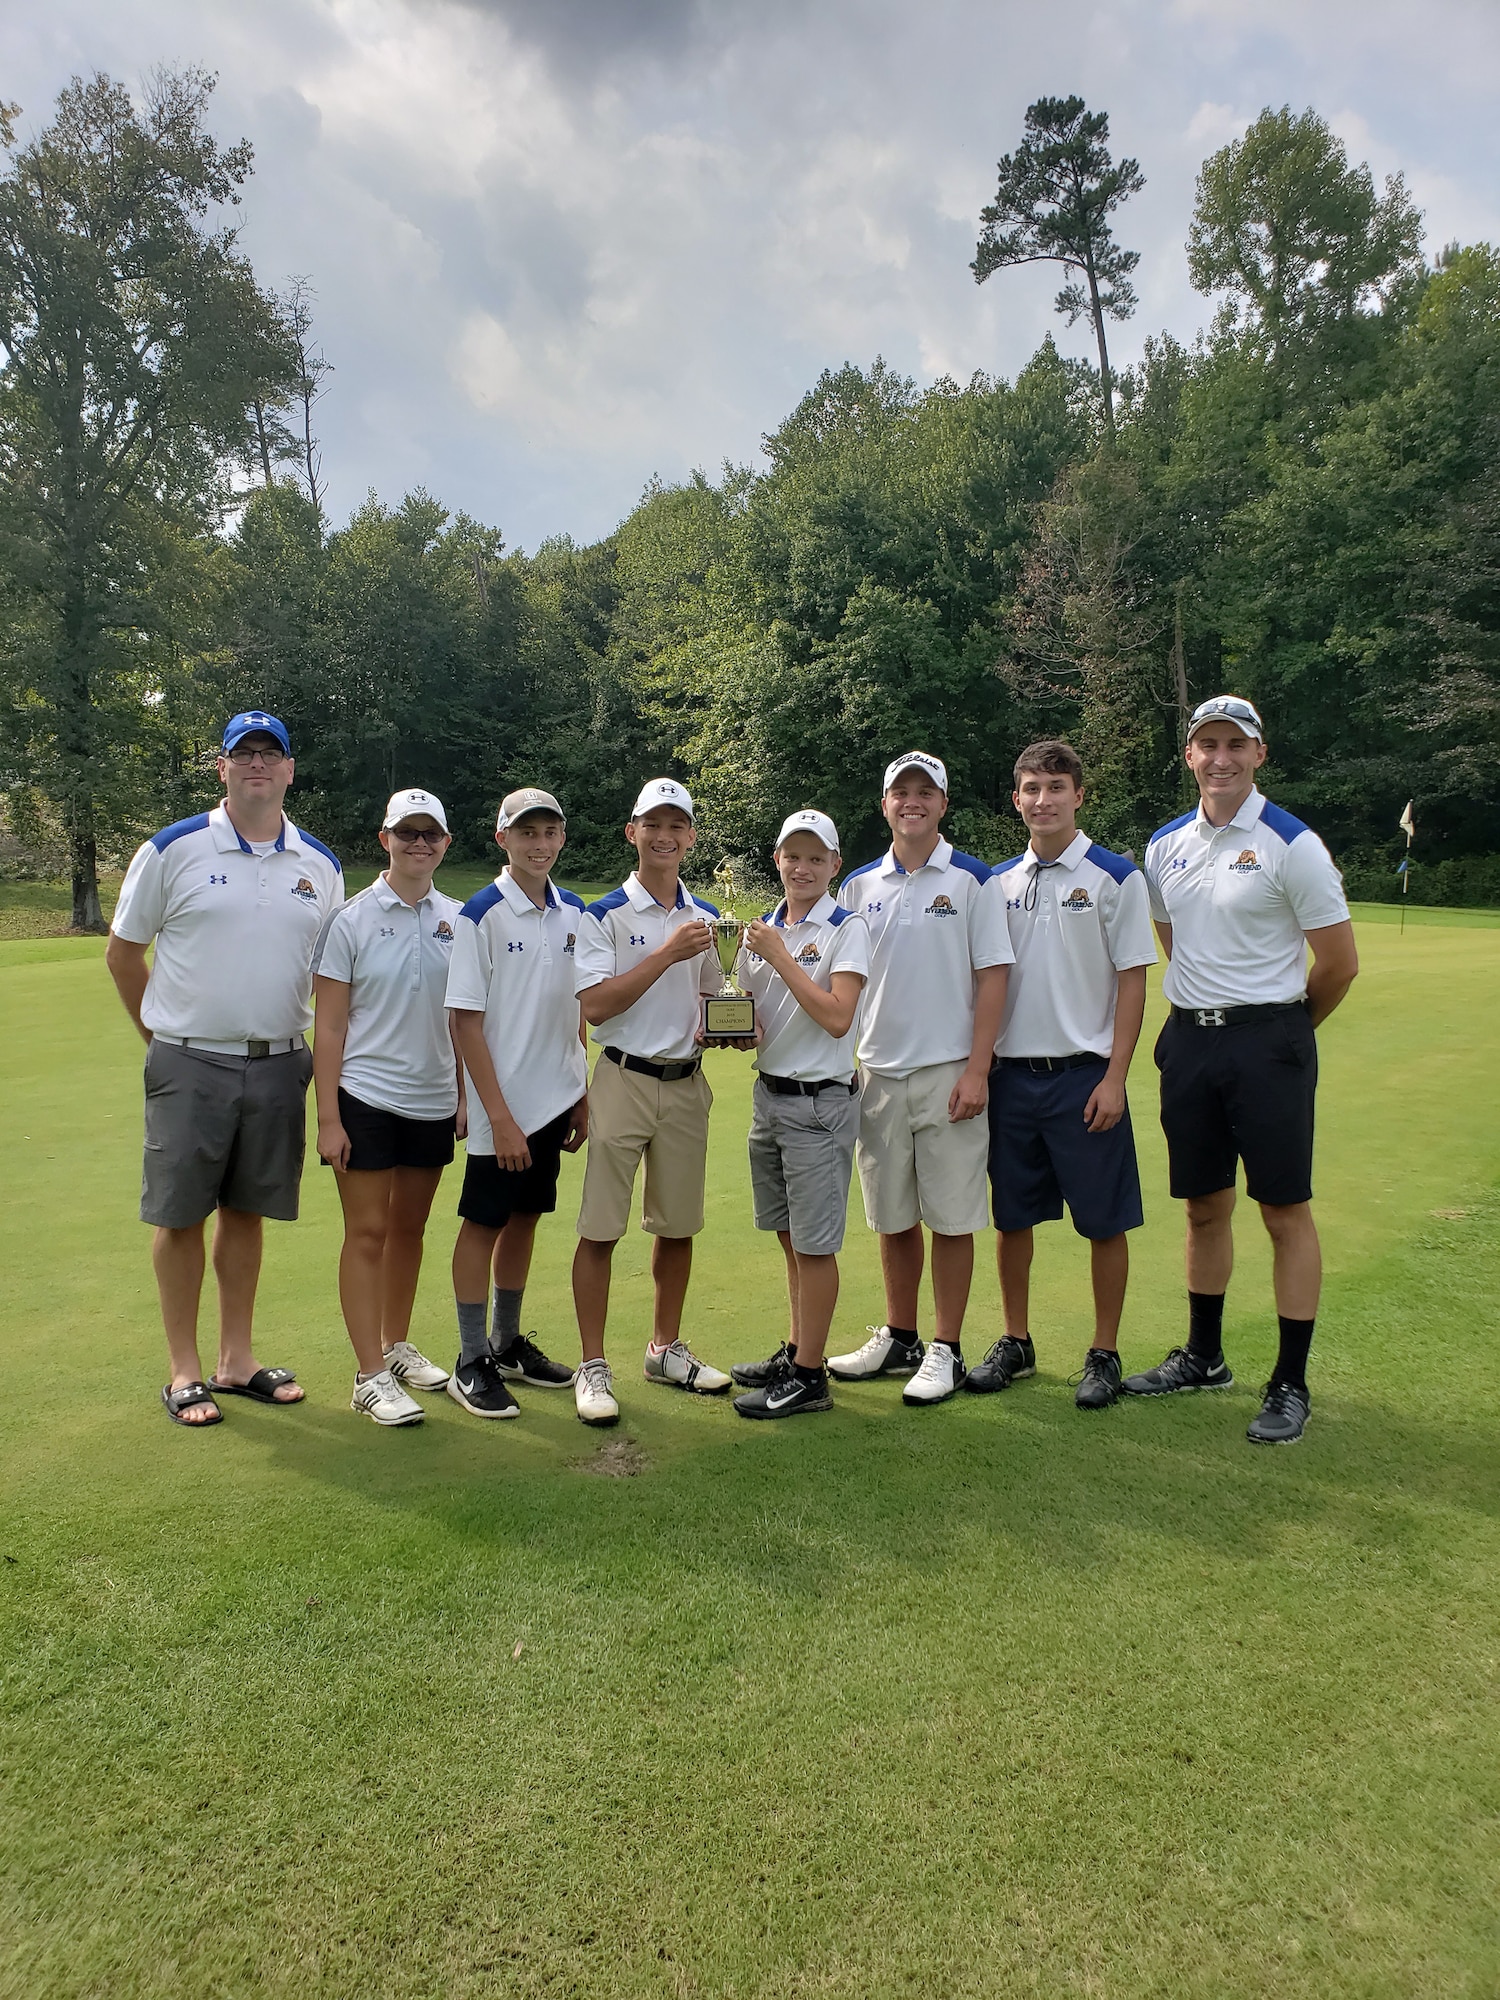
x=265 y=448
x=1106 y=380
x=1179 y=669
x=84 y=851
x=75 y=743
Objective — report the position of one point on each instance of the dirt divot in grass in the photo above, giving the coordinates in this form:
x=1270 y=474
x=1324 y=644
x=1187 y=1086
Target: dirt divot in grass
x=621 y=1458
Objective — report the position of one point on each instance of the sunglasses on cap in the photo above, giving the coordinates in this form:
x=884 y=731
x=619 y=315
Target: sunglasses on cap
x=1226 y=708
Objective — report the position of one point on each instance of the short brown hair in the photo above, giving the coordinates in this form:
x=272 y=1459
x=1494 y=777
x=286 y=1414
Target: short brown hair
x=1053 y=759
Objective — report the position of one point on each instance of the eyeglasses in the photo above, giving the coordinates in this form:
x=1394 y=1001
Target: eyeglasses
x=412 y=834
x=270 y=758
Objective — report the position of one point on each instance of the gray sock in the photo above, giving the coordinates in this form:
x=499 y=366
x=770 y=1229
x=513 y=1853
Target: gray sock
x=472 y=1337
x=507 y=1319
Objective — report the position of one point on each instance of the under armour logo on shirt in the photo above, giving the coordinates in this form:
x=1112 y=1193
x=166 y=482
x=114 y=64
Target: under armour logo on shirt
x=385 y=932
x=513 y=946
x=220 y=879
x=636 y=940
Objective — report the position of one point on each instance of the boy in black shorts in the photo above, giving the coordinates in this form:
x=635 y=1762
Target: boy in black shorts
x=1060 y=1130
x=518 y=1028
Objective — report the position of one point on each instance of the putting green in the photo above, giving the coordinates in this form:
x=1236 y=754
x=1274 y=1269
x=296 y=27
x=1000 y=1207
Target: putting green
x=990 y=1699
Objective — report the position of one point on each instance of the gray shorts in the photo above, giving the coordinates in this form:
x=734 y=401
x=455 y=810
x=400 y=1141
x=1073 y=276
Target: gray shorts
x=222 y=1132
x=801 y=1159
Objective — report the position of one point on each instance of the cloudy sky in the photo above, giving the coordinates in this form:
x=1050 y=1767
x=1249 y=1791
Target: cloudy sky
x=562 y=245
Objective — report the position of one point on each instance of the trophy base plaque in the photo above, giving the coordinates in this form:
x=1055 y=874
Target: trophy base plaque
x=728 y=1017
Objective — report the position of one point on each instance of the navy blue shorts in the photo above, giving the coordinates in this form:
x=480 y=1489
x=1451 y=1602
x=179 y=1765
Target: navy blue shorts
x=1042 y=1154
x=1244 y=1092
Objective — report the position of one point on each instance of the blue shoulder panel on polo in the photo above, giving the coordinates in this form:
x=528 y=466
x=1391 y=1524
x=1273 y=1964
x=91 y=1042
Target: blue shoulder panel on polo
x=1004 y=867
x=1115 y=866
x=703 y=905
x=481 y=903
x=970 y=864
x=1172 y=825
x=605 y=904
x=163 y=840
x=868 y=869
x=839 y=915
x=1281 y=823
x=574 y=902
x=309 y=840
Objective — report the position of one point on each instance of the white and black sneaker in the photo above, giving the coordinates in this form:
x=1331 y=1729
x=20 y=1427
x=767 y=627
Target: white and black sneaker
x=411 y=1367
x=940 y=1376
x=1283 y=1415
x=757 y=1374
x=524 y=1361
x=593 y=1393
x=791 y=1394
x=382 y=1397
x=1181 y=1370
x=477 y=1386
x=680 y=1368
x=882 y=1354
x=1009 y=1360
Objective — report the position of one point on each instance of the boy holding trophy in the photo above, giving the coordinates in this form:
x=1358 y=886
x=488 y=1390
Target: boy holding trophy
x=642 y=966
x=805 y=966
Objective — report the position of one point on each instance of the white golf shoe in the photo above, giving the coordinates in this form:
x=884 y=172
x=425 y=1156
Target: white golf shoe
x=592 y=1394
x=680 y=1368
x=410 y=1365
x=882 y=1354
x=941 y=1373
x=383 y=1398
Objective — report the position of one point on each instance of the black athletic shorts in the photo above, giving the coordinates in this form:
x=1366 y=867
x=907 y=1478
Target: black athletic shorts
x=492 y=1196
x=1042 y=1153
x=1240 y=1093
x=380 y=1140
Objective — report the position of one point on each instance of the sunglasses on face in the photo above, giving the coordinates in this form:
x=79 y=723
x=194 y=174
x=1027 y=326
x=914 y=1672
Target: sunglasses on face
x=270 y=758
x=412 y=834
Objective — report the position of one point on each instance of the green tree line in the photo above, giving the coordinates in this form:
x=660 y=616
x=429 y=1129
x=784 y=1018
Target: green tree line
x=1301 y=504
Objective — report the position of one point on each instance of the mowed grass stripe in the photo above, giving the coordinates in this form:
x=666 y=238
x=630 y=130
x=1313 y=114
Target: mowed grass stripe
x=993 y=1698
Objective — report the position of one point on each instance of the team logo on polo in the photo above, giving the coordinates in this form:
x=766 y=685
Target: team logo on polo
x=1247 y=863
x=444 y=931
x=568 y=943
x=941 y=906
x=305 y=890
x=1077 y=899
x=809 y=955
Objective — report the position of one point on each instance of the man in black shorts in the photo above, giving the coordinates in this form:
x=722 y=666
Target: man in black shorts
x=1239 y=891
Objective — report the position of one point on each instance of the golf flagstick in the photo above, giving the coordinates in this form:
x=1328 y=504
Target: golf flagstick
x=1409 y=827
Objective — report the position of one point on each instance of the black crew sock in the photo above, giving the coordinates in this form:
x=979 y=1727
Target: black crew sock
x=1205 y=1325
x=954 y=1344
x=811 y=1376
x=907 y=1335
x=1291 y=1358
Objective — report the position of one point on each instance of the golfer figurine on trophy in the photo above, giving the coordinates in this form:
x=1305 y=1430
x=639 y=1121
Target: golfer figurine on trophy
x=729 y=1014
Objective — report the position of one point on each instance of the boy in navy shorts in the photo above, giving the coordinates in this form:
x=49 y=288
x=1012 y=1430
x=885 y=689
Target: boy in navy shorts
x=1060 y=1131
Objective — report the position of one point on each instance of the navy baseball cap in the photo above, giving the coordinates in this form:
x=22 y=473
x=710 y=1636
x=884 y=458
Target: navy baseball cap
x=254 y=722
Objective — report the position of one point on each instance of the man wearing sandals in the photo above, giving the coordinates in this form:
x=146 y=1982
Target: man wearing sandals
x=234 y=900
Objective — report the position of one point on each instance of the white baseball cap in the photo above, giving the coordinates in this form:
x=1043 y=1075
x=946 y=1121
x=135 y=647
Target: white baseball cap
x=403 y=804
x=662 y=792
x=916 y=760
x=811 y=822
x=530 y=799
x=1228 y=708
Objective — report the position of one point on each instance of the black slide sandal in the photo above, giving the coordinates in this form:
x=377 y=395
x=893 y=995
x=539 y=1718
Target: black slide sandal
x=261 y=1387
x=175 y=1401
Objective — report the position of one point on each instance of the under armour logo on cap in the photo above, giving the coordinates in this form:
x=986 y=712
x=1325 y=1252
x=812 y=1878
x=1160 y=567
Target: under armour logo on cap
x=662 y=792
x=255 y=722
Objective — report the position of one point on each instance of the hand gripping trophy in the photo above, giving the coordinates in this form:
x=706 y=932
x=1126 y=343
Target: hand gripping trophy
x=729 y=1014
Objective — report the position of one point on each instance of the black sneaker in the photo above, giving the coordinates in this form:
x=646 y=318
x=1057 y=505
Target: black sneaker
x=524 y=1361
x=761 y=1374
x=1283 y=1415
x=1099 y=1384
x=1180 y=1370
x=478 y=1387
x=1007 y=1361
x=789 y=1395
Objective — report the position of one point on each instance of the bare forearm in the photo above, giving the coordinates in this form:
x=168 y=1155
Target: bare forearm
x=832 y=1012
x=127 y=967
x=990 y=985
x=1326 y=987
x=614 y=996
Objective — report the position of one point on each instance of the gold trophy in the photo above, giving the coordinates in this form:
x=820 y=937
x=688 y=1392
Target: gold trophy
x=729 y=1014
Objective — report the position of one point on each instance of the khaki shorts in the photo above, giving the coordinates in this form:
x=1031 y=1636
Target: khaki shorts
x=631 y=1114
x=914 y=1165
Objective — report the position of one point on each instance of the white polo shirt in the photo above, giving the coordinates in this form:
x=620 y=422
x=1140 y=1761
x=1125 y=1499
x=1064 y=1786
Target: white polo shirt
x=826 y=941
x=1239 y=899
x=1075 y=923
x=513 y=963
x=234 y=930
x=393 y=956
x=619 y=931
x=930 y=932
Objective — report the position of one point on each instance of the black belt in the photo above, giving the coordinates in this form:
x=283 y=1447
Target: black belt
x=670 y=1072
x=1053 y=1062
x=795 y=1086
x=1233 y=1017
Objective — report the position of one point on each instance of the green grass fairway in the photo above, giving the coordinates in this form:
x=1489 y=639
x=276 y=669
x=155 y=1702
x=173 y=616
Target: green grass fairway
x=992 y=1699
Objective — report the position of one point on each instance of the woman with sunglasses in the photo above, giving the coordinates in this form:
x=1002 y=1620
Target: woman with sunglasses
x=389 y=1092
